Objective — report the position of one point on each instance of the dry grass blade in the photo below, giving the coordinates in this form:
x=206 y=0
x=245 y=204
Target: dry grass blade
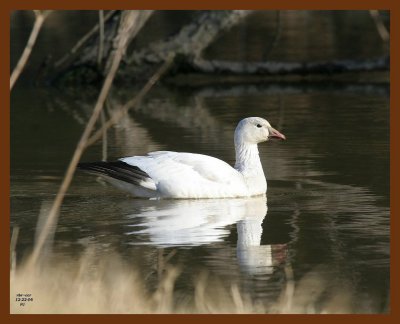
x=13 y=244
x=102 y=283
x=237 y=299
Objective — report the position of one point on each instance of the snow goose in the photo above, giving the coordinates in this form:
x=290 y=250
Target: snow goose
x=166 y=174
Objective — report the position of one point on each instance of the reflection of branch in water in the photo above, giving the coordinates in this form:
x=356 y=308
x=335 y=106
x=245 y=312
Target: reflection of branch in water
x=194 y=120
x=152 y=116
x=140 y=132
x=331 y=205
x=121 y=112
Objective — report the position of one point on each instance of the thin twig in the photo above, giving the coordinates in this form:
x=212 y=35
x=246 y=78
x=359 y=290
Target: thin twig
x=82 y=41
x=380 y=26
x=39 y=20
x=54 y=211
x=104 y=137
x=101 y=38
x=121 y=112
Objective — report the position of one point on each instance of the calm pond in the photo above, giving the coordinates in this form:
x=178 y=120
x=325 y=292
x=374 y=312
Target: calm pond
x=326 y=213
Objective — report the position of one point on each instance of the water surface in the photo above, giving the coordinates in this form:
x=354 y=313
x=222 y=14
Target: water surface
x=326 y=211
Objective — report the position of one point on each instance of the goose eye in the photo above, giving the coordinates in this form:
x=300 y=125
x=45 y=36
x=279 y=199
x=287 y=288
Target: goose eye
x=259 y=126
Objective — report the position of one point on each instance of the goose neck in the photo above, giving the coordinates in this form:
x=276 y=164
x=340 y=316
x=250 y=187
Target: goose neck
x=247 y=156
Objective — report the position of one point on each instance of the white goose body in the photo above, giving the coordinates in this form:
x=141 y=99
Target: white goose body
x=166 y=174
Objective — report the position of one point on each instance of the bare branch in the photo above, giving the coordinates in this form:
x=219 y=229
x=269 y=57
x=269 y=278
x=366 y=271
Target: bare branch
x=129 y=30
x=193 y=38
x=120 y=113
x=40 y=17
x=380 y=26
x=281 y=68
x=82 y=41
x=128 y=18
x=101 y=37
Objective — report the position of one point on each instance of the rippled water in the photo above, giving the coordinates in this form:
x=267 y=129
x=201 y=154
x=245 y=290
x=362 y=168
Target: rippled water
x=328 y=188
x=326 y=212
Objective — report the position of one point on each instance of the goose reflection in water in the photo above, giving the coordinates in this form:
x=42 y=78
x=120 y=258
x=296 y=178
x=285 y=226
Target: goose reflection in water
x=183 y=223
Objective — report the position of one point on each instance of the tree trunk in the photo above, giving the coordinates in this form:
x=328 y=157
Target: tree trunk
x=192 y=39
x=281 y=68
x=187 y=46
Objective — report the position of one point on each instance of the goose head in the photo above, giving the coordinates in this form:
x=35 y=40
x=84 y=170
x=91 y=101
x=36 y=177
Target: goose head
x=254 y=130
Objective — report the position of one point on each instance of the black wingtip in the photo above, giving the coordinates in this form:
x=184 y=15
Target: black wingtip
x=118 y=170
